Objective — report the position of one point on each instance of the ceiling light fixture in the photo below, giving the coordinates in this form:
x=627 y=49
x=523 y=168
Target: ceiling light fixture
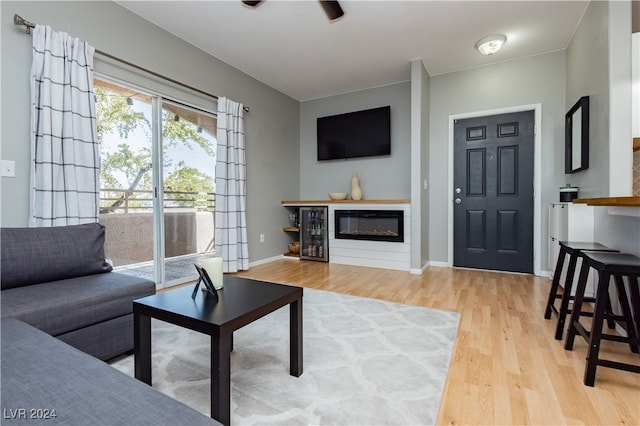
x=490 y=44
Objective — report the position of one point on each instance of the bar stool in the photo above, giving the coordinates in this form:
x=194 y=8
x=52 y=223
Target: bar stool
x=574 y=250
x=617 y=265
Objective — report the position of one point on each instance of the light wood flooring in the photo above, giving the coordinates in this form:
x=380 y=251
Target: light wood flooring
x=506 y=368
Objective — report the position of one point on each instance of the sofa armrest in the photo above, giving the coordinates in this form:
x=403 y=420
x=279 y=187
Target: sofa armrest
x=43 y=374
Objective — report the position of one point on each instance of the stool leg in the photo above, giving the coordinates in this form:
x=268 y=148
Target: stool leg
x=610 y=322
x=634 y=288
x=596 y=329
x=555 y=283
x=577 y=307
x=566 y=296
x=626 y=313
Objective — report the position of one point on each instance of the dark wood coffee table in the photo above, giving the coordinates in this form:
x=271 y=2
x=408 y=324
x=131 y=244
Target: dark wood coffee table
x=240 y=302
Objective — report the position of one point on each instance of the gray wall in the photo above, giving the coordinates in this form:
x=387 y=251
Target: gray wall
x=537 y=79
x=419 y=165
x=271 y=125
x=384 y=177
x=588 y=75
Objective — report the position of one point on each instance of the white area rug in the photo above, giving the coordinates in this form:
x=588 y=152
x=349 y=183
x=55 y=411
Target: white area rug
x=366 y=362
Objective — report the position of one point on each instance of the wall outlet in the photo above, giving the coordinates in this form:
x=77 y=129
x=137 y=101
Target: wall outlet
x=8 y=168
x=262 y=238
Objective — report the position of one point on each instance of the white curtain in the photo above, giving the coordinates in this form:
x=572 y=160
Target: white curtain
x=65 y=166
x=231 y=199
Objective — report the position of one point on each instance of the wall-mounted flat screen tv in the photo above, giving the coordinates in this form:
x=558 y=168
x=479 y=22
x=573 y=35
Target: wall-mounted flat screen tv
x=355 y=134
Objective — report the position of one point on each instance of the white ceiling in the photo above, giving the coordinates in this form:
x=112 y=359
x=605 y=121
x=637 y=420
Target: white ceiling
x=293 y=47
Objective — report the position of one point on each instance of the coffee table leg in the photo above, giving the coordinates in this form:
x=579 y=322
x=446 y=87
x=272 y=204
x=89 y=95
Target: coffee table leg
x=295 y=337
x=221 y=378
x=142 y=347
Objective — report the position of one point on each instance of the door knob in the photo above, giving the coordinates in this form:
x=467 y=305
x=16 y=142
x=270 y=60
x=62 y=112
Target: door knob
x=458 y=190
x=458 y=200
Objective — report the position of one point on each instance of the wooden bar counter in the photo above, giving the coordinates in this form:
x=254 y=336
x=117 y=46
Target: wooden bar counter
x=610 y=201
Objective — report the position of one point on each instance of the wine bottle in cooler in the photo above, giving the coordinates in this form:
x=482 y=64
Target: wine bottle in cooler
x=313 y=229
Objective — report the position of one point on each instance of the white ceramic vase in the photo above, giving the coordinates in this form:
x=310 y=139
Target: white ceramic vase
x=356 y=191
x=355 y=180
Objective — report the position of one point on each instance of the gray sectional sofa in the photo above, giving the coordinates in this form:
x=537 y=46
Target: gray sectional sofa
x=57 y=279
x=47 y=382
x=56 y=282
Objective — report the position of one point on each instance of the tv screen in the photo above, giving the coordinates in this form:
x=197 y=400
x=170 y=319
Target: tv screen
x=355 y=134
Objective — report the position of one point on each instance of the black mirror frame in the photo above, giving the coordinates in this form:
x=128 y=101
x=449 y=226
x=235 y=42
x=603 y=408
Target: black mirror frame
x=582 y=106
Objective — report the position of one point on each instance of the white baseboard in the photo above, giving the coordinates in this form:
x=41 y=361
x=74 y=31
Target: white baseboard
x=413 y=271
x=269 y=260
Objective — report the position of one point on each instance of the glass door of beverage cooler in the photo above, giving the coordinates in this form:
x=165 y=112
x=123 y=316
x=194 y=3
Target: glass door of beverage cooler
x=313 y=234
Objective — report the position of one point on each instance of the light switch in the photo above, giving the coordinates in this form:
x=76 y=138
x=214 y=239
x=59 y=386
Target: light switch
x=8 y=168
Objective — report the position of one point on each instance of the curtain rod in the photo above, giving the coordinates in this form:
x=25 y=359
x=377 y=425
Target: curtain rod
x=18 y=20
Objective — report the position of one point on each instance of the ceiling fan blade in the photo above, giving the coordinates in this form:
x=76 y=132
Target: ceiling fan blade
x=251 y=3
x=332 y=9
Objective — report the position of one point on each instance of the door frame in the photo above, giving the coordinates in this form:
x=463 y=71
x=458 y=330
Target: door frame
x=537 y=176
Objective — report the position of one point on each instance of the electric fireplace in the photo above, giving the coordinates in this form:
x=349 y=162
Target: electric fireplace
x=373 y=225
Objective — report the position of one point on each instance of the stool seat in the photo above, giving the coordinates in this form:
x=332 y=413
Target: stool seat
x=622 y=263
x=586 y=246
x=574 y=249
x=608 y=265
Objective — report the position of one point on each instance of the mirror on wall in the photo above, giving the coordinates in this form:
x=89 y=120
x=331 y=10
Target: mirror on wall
x=576 y=137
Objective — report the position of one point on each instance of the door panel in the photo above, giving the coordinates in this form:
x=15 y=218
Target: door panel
x=507 y=230
x=476 y=172
x=493 y=211
x=476 y=221
x=508 y=170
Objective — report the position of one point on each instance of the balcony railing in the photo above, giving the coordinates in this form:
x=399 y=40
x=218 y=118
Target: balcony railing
x=189 y=224
x=113 y=200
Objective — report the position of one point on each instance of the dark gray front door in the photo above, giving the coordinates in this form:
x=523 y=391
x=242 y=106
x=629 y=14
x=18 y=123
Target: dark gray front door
x=493 y=192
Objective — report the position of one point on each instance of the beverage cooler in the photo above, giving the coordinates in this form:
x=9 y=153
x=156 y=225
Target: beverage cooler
x=313 y=234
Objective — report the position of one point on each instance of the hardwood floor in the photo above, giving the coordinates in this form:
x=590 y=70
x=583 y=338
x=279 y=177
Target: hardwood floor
x=506 y=368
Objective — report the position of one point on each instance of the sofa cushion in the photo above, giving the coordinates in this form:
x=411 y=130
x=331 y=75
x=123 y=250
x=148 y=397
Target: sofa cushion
x=61 y=306
x=37 y=255
x=105 y=340
x=44 y=374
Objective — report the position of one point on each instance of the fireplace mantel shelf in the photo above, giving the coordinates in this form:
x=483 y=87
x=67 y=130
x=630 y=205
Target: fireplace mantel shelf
x=323 y=202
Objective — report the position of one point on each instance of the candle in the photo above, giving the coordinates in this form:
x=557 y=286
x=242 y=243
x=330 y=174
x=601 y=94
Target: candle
x=213 y=266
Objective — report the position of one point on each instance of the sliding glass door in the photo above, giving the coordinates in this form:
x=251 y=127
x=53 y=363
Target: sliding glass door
x=188 y=187
x=157 y=182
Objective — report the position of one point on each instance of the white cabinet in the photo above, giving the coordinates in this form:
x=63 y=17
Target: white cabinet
x=570 y=222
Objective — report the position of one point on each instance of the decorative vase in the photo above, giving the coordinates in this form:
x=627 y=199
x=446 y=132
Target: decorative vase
x=355 y=180
x=356 y=192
